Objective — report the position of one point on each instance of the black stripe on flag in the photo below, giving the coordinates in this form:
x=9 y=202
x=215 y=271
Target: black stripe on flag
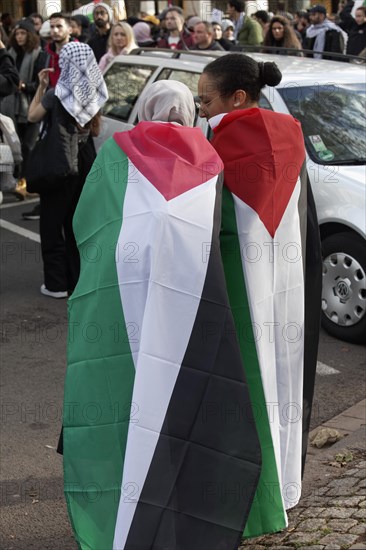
x=205 y=469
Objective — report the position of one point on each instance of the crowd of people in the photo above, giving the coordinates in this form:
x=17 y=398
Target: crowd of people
x=189 y=193
x=33 y=44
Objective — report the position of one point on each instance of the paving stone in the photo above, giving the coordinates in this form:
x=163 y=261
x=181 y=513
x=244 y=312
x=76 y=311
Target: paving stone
x=360 y=514
x=338 y=513
x=304 y=538
x=312 y=512
x=342 y=492
x=361 y=492
x=342 y=527
x=339 y=539
x=312 y=547
x=321 y=491
x=358 y=546
x=359 y=529
x=312 y=524
x=347 y=482
x=360 y=473
x=362 y=504
x=347 y=502
x=362 y=465
x=362 y=483
x=352 y=472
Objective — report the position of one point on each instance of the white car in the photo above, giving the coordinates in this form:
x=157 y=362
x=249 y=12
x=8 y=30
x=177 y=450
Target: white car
x=329 y=99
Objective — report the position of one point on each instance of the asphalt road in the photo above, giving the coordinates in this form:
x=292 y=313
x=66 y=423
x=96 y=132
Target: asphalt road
x=33 y=343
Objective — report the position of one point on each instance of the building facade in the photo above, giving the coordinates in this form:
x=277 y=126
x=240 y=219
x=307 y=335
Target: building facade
x=22 y=8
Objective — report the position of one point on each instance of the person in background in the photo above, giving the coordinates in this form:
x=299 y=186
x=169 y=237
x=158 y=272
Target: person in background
x=228 y=30
x=191 y=22
x=120 y=42
x=60 y=35
x=83 y=102
x=247 y=31
x=262 y=17
x=7 y=23
x=301 y=23
x=281 y=35
x=176 y=37
x=204 y=38
x=45 y=33
x=103 y=20
x=37 y=23
x=357 y=33
x=323 y=35
x=80 y=27
x=344 y=15
x=9 y=81
x=9 y=75
x=217 y=33
x=143 y=37
x=24 y=48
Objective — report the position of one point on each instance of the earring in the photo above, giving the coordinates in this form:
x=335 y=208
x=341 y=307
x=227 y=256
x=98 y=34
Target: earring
x=236 y=104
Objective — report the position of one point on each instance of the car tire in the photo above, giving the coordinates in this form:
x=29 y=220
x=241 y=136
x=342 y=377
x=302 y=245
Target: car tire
x=344 y=287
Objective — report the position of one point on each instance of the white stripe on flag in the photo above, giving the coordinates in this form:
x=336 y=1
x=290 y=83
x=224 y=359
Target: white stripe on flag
x=160 y=296
x=275 y=283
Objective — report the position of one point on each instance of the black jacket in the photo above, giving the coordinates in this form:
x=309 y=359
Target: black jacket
x=356 y=39
x=9 y=77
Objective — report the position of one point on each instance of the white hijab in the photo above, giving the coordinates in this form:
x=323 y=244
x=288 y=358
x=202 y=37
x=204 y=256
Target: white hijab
x=167 y=101
x=80 y=87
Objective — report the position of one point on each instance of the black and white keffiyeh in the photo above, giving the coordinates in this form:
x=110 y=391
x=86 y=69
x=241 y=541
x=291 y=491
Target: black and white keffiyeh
x=80 y=87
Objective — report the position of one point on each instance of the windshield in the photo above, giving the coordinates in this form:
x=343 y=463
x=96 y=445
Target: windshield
x=333 y=120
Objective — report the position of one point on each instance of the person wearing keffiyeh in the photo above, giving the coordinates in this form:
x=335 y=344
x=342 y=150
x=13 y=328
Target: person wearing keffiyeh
x=79 y=95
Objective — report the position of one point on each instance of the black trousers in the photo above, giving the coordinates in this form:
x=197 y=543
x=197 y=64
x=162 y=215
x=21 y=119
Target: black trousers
x=61 y=262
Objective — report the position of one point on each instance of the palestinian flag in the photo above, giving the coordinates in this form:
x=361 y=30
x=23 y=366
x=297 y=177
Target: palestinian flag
x=160 y=445
x=262 y=243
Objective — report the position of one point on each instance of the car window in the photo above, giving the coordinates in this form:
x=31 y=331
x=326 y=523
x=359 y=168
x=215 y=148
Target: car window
x=333 y=119
x=263 y=103
x=188 y=78
x=125 y=83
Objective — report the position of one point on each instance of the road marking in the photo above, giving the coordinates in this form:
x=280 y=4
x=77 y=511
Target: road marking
x=323 y=370
x=20 y=231
x=18 y=203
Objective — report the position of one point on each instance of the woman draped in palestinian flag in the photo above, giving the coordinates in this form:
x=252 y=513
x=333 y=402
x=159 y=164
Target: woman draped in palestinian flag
x=160 y=445
x=271 y=253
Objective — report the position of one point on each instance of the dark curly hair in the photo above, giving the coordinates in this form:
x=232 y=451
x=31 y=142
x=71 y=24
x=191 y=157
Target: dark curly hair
x=289 y=39
x=31 y=44
x=236 y=71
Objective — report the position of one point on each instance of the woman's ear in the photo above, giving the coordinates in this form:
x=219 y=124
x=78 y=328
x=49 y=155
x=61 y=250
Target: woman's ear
x=239 y=98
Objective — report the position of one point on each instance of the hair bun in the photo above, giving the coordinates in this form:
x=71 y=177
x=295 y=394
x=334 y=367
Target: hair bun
x=269 y=73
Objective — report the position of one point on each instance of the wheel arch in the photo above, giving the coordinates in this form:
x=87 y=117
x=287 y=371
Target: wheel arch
x=332 y=228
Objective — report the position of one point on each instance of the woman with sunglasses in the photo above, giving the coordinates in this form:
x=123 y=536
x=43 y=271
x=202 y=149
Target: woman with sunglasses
x=268 y=224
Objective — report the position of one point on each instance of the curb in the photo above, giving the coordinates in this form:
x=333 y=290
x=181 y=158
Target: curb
x=347 y=423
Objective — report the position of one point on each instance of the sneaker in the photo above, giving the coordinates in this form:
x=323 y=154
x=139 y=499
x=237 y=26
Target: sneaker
x=52 y=293
x=33 y=214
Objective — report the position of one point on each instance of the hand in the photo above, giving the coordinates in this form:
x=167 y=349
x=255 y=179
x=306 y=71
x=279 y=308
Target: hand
x=44 y=78
x=2 y=45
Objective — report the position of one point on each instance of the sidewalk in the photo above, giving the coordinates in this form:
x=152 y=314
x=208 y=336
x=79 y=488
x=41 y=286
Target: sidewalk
x=331 y=514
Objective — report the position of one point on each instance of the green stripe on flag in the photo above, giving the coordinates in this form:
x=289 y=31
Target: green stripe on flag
x=267 y=513
x=100 y=375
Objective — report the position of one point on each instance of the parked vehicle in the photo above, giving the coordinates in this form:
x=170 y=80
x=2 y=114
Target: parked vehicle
x=329 y=99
